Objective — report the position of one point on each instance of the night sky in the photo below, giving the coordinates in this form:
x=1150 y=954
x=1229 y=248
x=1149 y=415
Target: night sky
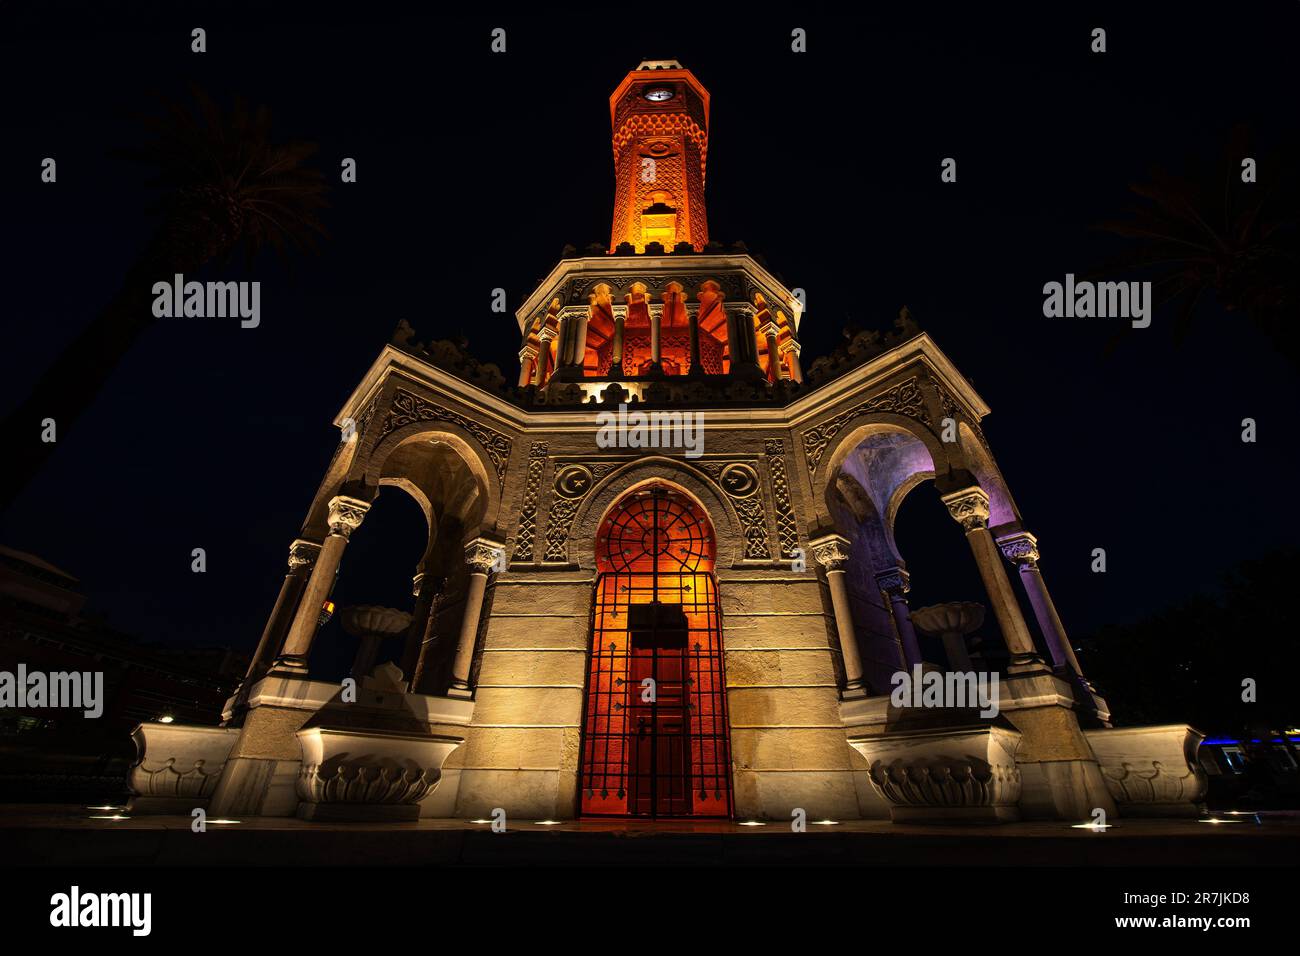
x=475 y=169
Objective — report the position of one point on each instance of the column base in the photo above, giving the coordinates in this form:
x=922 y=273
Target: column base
x=289 y=667
x=854 y=691
x=1027 y=665
x=460 y=691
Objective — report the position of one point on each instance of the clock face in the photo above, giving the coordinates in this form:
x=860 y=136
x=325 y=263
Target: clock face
x=658 y=94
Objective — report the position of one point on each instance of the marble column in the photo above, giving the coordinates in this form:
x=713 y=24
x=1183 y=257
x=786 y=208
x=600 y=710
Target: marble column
x=693 y=321
x=302 y=557
x=543 y=356
x=527 y=364
x=832 y=553
x=482 y=555
x=345 y=516
x=741 y=345
x=792 y=349
x=656 y=335
x=770 y=332
x=616 y=364
x=895 y=583
x=970 y=508
x=1021 y=549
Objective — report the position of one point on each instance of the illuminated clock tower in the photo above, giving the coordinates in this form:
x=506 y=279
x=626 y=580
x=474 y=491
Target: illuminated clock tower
x=660 y=119
x=752 y=575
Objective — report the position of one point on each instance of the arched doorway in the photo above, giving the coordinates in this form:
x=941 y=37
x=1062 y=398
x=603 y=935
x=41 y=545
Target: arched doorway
x=655 y=733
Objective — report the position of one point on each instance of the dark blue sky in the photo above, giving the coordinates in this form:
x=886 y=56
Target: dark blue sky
x=474 y=171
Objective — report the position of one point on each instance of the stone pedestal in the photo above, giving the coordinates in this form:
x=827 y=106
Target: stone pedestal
x=1060 y=776
x=262 y=773
x=1151 y=771
x=177 y=766
x=954 y=775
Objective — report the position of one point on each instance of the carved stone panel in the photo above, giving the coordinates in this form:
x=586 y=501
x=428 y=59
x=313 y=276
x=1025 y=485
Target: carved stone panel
x=408 y=408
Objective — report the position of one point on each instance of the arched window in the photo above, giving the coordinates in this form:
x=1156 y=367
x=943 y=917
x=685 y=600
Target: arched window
x=655 y=740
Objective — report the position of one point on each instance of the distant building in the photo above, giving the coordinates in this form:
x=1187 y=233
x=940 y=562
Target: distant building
x=45 y=752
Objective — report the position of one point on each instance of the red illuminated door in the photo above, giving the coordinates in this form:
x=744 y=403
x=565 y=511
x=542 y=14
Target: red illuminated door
x=655 y=740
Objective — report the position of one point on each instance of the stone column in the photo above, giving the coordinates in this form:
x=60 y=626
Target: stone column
x=1021 y=549
x=693 y=321
x=832 y=553
x=970 y=508
x=616 y=365
x=656 y=321
x=302 y=557
x=543 y=356
x=482 y=555
x=770 y=332
x=527 y=364
x=740 y=343
x=345 y=515
x=792 y=349
x=895 y=583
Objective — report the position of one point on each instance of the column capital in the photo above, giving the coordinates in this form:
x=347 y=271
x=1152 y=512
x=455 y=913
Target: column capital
x=620 y=311
x=831 y=551
x=969 y=508
x=483 y=554
x=656 y=310
x=546 y=334
x=1020 y=548
x=346 y=514
x=769 y=328
x=527 y=352
x=303 y=554
x=894 y=581
x=790 y=345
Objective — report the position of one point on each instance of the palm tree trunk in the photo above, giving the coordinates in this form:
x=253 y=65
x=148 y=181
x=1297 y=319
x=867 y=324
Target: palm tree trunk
x=78 y=375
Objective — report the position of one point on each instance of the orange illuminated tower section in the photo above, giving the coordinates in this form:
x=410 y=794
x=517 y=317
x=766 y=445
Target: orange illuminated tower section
x=660 y=120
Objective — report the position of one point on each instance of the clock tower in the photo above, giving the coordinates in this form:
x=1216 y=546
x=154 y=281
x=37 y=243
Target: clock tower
x=660 y=120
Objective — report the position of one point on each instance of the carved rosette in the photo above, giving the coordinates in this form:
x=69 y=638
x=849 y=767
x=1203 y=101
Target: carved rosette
x=831 y=552
x=346 y=515
x=1020 y=549
x=787 y=525
x=905 y=398
x=303 y=555
x=969 y=508
x=408 y=408
x=526 y=533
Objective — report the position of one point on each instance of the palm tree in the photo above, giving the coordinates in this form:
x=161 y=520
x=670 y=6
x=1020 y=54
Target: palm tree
x=1210 y=233
x=225 y=185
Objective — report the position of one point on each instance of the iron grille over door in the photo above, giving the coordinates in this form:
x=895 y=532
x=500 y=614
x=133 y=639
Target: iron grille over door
x=655 y=738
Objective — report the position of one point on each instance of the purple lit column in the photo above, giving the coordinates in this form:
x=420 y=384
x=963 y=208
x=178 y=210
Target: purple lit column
x=1021 y=549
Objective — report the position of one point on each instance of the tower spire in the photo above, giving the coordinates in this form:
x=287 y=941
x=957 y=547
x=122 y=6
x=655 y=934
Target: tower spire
x=660 y=120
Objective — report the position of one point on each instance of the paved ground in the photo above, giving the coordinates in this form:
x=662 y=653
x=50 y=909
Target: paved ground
x=64 y=835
